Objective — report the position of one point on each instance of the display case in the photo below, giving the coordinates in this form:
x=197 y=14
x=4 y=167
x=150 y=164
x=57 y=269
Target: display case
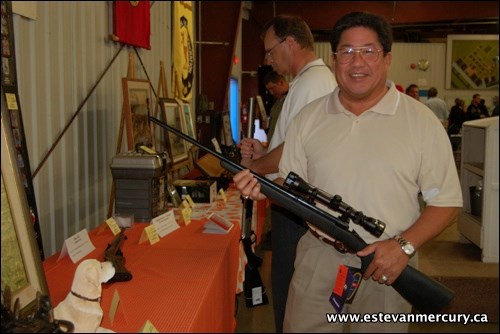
x=479 y=164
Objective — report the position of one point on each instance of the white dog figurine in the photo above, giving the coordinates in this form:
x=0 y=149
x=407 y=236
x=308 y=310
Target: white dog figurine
x=82 y=305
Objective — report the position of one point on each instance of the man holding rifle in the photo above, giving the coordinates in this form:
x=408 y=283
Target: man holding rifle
x=378 y=149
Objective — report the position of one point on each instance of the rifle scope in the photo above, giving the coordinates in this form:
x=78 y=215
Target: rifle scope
x=300 y=187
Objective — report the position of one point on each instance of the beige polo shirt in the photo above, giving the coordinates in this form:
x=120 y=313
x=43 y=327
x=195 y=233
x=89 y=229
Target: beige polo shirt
x=378 y=161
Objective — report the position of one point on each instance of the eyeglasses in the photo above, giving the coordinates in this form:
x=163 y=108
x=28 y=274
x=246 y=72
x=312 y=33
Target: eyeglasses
x=346 y=55
x=269 y=53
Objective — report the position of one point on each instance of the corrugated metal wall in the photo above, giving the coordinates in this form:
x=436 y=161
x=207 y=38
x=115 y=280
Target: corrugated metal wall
x=60 y=57
x=405 y=54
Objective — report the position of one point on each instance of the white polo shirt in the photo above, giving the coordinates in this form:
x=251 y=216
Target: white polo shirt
x=313 y=81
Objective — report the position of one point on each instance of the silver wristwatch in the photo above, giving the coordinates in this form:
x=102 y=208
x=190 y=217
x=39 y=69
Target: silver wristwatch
x=406 y=246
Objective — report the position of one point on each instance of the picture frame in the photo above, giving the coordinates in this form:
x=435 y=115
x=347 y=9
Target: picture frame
x=173 y=116
x=472 y=62
x=137 y=109
x=188 y=125
x=22 y=269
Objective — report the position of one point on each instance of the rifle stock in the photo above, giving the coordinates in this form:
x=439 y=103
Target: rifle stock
x=424 y=293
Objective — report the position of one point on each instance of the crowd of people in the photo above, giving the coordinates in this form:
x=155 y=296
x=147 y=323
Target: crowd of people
x=453 y=118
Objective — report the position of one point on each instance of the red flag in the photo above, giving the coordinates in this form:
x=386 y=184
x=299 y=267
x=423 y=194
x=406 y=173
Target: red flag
x=131 y=22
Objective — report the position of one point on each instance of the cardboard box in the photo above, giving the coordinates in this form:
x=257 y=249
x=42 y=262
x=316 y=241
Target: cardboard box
x=201 y=191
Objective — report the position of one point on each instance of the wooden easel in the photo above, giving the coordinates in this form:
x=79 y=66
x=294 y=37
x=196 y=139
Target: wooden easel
x=131 y=74
x=162 y=93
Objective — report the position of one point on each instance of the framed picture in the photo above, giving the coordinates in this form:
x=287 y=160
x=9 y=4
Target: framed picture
x=22 y=270
x=173 y=116
x=472 y=62
x=188 y=127
x=137 y=104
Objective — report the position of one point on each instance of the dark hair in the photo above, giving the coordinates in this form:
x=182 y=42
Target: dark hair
x=288 y=25
x=367 y=20
x=410 y=87
x=272 y=76
x=432 y=92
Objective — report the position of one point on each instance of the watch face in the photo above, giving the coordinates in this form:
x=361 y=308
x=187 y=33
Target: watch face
x=409 y=249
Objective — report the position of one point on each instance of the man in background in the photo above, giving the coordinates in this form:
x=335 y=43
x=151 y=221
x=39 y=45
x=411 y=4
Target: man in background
x=277 y=86
x=289 y=49
x=474 y=110
x=412 y=90
x=437 y=105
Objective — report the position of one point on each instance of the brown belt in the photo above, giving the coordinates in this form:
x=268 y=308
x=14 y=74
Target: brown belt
x=338 y=245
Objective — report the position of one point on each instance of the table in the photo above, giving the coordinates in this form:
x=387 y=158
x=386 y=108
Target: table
x=186 y=282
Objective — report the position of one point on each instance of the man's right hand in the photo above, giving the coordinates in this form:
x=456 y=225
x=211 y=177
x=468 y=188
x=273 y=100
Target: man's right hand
x=248 y=185
x=251 y=148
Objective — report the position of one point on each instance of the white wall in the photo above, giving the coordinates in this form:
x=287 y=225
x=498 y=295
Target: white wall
x=60 y=55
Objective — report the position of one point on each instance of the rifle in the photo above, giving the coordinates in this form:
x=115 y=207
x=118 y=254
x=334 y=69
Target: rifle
x=113 y=253
x=424 y=293
x=252 y=275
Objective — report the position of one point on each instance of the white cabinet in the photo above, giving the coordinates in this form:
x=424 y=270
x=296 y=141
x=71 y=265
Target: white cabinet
x=480 y=163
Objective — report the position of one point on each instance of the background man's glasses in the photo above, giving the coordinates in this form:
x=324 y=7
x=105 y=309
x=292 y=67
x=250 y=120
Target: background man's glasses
x=346 y=55
x=269 y=53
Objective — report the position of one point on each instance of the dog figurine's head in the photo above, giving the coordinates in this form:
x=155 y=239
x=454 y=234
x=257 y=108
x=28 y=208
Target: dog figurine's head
x=82 y=304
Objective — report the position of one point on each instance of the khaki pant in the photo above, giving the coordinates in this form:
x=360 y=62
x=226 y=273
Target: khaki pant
x=308 y=302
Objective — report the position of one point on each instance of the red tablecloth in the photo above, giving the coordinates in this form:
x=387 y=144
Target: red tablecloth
x=184 y=283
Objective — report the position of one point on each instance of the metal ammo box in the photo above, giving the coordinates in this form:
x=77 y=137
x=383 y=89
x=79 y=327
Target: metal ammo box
x=140 y=181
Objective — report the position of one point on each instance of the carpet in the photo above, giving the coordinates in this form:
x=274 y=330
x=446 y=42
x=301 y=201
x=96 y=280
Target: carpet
x=473 y=295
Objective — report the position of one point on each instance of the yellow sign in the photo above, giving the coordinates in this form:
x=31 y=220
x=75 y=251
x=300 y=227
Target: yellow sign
x=183 y=50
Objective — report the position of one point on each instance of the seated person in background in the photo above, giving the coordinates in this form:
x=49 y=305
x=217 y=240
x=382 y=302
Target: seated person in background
x=475 y=111
x=437 y=105
x=412 y=90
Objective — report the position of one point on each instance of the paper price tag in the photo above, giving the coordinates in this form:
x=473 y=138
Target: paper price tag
x=113 y=226
x=185 y=204
x=186 y=215
x=149 y=233
x=222 y=193
x=11 y=101
x=114 y=305
x=190 y=201
x=148 y=327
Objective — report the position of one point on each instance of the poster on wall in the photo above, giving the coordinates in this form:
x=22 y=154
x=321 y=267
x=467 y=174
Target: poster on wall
x=12 y=108
x=183 y=52
x=472 y=62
